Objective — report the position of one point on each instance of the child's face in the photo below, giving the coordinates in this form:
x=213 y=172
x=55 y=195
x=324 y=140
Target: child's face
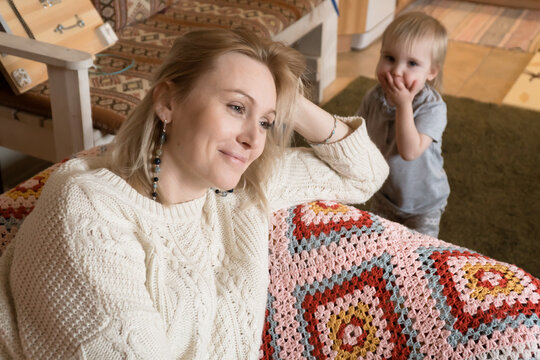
x=408 y=65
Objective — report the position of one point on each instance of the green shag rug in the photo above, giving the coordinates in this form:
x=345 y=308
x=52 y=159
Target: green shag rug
x=492 y=158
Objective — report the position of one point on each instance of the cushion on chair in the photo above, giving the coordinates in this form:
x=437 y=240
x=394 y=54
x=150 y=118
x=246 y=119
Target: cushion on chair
x=347 y=284
x=147 y=43
x=120 y=13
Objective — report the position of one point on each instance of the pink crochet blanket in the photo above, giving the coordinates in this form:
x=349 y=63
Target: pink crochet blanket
x=346 y=284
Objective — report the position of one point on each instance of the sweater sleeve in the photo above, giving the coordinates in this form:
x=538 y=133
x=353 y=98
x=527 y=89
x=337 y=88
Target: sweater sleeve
x=78 y=283
x=350 y=171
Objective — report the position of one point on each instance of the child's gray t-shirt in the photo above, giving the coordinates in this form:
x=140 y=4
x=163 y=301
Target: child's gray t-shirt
x=420 y=185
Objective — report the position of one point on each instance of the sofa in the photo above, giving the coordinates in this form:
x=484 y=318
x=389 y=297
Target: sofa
x=348 y=284
x=87 y=107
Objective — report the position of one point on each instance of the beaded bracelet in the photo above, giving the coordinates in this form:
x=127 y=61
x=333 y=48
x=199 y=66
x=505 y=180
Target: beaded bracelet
x=325 y=141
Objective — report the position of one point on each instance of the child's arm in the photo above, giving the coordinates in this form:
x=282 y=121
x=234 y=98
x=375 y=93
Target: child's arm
x=410 y=143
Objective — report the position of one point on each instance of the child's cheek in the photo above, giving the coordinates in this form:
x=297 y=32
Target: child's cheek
x=381 y=77
x=379 y=71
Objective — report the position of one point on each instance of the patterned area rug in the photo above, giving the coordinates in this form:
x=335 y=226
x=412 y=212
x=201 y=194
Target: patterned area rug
x=482 y=24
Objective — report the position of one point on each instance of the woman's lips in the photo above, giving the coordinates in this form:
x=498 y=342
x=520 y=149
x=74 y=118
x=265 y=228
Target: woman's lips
x=234 y=156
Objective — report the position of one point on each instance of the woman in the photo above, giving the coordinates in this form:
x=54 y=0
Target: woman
x=147 y=252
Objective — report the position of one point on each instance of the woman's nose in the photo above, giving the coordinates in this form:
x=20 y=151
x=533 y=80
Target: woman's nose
x=249 y=135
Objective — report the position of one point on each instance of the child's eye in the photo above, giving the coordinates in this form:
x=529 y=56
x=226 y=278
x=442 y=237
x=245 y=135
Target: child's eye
x=238 y=108
x=389 y=58
x=413 y=63
x=266 y=125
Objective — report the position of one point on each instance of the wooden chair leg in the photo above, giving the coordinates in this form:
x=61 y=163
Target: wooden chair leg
x=71 y=111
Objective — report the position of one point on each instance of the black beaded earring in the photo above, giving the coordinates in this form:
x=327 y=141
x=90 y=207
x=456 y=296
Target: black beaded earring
x=157 y=159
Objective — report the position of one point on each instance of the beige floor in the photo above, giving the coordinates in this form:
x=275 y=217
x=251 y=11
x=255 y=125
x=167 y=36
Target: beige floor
x=525 y=92
x=478 y=72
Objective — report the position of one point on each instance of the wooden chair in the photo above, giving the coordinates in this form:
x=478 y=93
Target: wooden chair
x=73 y=111
x=70 y=101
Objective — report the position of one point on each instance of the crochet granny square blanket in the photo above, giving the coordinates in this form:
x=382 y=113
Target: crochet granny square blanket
x=347 y=284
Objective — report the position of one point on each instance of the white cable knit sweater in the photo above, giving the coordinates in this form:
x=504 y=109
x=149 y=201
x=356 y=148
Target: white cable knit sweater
x=97 y=271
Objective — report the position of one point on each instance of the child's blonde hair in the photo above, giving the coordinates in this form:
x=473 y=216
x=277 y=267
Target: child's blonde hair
x=412 y=26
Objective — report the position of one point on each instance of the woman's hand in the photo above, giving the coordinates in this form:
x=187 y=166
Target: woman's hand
x=316 y=124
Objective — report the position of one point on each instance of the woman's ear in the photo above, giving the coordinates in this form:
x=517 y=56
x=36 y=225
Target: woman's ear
x=162 y=95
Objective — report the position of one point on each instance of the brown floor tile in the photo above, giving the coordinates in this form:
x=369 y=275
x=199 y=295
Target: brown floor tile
x=344 y=43
x=495 y=75
x=525 y=92
x=359 y=62
x=462 y=60
x=351 y=64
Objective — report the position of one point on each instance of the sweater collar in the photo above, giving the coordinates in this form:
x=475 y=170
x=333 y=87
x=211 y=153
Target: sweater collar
x=186 y=210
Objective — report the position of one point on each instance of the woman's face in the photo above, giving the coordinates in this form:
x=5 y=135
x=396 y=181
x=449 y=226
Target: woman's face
x=220 y=128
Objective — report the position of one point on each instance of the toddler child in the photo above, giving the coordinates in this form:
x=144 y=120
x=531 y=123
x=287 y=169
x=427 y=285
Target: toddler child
x=405 y=118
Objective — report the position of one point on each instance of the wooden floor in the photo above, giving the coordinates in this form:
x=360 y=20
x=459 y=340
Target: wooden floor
x=477 y=72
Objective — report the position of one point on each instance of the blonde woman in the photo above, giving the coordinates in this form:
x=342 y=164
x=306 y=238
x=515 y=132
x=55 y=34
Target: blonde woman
x=159 y=250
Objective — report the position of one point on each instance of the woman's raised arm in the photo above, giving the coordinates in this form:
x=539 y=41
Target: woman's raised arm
x=318 y=126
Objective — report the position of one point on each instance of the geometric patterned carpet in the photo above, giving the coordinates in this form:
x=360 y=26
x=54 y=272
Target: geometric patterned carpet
x=346 y=284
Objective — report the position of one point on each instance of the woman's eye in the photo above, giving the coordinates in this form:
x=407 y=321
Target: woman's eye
x=266 y=125
x=237 y=108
